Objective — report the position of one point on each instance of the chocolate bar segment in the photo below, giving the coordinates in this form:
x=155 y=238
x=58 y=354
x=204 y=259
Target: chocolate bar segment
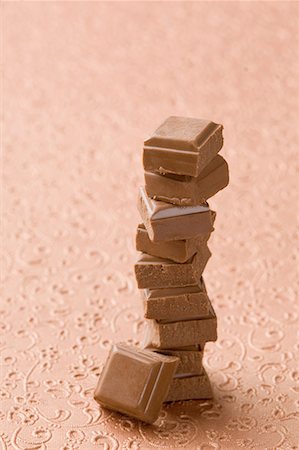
x=180 y=334
x=152 y=272
x=182 y=146
x=190 y=360
x=166 y=222
x=184 y=190
x=190 y=388
x=178 y=251
x=175 y=304
x=135 y=381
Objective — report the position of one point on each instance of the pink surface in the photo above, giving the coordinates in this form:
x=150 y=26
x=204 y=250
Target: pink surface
x=84 y=83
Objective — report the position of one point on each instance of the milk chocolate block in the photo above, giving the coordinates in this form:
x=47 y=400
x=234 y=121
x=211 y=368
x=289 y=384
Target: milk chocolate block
x=175 y=304
x=152 y=272
x=182 y=145
x=184 y=190
x=178 y=251
x=166 y=222
x=190 y=387
x=180 y=334
x=135 y=381
x=190 y=360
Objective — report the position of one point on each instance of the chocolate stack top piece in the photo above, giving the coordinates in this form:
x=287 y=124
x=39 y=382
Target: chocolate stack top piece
x=182 y=146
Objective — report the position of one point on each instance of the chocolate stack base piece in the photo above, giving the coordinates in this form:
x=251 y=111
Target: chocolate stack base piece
x=190 y=380
x=190 y=387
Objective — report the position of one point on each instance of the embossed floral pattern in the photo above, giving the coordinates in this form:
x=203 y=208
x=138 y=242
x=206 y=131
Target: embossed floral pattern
x=84 y=83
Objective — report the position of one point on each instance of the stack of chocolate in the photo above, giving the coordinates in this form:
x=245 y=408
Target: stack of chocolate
x=182 y=171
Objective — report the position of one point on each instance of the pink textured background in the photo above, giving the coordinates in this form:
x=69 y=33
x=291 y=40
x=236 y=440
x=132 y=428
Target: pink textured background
x=84 y=83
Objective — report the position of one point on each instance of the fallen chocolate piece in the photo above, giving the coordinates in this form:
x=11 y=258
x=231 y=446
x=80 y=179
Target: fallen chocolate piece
x=190 y=360
x=166 y=222
x=180 y=334
x=175 y=304
x=184 y=190
x=178 y=251
x=153 y=272
x=182 y=145
x=190 y=388
x=135 y=381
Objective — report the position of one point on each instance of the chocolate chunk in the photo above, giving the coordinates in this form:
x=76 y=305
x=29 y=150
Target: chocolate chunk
x=152 y=272
x=182 y=145
x=135 y=381
x=190 y=387
x=180 y=334
x=178 y=251
x=190 y=360
x=184 y=190
x=166 y=222
x=175 y=304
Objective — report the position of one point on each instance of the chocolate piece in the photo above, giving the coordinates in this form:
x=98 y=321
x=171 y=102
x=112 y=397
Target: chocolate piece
x=182 y=145
x=188 y=388
x=166 y=222
x=175 y=304
x=183 y=190
x=135 y=381
x=153 y=272
x=190 y=360
x=180 y=334
x=178 y=251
